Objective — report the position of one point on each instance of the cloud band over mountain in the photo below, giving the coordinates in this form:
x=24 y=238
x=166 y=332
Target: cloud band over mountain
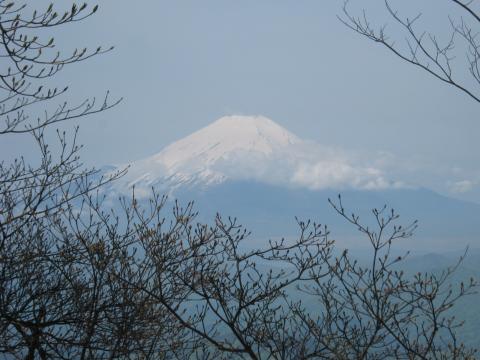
x=253 y=148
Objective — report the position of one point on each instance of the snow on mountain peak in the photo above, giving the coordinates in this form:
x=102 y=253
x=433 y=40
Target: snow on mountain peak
x=227 y=135
x=250 y=148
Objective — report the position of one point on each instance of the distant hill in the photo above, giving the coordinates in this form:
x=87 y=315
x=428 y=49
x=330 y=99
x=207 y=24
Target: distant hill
x=269 y=211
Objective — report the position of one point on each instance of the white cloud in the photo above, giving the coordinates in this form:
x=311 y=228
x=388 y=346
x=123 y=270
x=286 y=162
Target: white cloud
x=463 y=186
x=339 y=174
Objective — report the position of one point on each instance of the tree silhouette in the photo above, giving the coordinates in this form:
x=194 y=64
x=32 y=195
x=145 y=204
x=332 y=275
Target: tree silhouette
x=455 y=60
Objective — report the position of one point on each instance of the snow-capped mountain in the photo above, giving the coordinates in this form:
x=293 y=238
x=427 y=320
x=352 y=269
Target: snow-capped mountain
x=253 y=148
x=251 y=168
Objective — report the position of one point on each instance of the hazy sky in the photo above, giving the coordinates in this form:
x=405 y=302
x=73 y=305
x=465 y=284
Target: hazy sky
x=180 y=65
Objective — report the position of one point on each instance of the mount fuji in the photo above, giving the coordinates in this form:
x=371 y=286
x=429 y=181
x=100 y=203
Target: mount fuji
x=255 y=170
x=251 y=148
x=251 y=168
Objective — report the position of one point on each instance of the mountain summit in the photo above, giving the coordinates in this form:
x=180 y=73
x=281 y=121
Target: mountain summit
x=252 y=148
x=227 y=136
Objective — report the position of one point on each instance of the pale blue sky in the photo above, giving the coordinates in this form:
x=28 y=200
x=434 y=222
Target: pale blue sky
x=180 y=65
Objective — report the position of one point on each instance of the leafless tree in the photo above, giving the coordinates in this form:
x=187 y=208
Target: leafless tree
x=228 y=295
x=374 y=310
x=244 y=303
x=38 y=290
x=455 y=60
x=70 y=288
x=29 y=59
